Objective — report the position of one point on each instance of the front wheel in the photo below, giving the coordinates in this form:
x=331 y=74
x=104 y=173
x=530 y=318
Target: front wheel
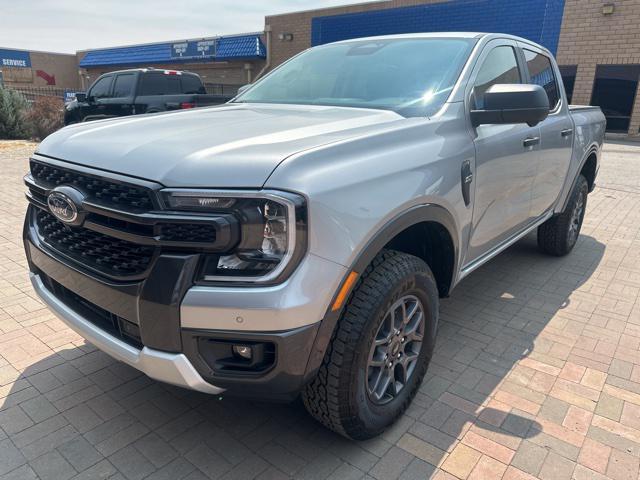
x=558 y=235
x=380 y=350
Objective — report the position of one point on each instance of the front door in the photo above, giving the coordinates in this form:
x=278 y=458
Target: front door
x=96 y=96
x=506 y=157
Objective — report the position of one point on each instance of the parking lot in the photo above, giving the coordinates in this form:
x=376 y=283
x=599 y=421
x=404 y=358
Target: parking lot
x=536 y=375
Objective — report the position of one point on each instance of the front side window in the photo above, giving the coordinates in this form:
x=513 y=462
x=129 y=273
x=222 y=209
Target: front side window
x=541 y=73
x=499 y=67
x=124 y=85
x=413 y=77
x=102 y=88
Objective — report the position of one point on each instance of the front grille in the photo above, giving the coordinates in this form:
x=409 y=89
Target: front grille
x=105 y=192
x=117 y=326
x=99 y=252
x=123 y=231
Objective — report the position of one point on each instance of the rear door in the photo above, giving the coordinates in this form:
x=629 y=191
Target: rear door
x=556 y=132
x=506 y=156
x=156 y=89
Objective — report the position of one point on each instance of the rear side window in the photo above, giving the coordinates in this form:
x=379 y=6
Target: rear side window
x=102 y=88
x=124 y=85
x=541 y=73
x=191 y=84
x=499 y=67
x=160 y=84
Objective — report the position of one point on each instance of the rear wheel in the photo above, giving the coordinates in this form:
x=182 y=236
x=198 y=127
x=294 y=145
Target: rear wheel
x=558 y=235
x=380 y=350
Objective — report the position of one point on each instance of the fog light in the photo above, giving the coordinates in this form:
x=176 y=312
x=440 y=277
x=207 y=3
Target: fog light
x=243 y=351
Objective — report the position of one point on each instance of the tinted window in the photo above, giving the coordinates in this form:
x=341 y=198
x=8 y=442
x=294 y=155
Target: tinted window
x=614 y=91
x=411 y=76
x=124 y=85
x=102 y=88
x=191 y=84
x=173 y=85
x=568 y=73
x=541 y=73
x=499 y=67
x=159 y=84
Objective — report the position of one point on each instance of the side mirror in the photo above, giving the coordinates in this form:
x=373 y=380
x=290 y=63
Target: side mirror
x=244 y=88
x=512 y=103
x=81 y=97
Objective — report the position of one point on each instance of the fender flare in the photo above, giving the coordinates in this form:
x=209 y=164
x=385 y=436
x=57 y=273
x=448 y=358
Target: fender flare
x=418 y=214
x=593 y=150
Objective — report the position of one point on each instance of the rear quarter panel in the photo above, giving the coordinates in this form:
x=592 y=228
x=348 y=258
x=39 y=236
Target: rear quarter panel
x=589 y=129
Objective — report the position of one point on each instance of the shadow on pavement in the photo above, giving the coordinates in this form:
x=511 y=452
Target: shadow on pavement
x=102 y=417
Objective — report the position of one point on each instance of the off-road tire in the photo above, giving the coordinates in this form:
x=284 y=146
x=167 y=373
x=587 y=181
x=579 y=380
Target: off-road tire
x=554 y=235
x=338 y=396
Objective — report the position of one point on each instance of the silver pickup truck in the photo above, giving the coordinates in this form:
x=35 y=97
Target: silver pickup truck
x=297 y=239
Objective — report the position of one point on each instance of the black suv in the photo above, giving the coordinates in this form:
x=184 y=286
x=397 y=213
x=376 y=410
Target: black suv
x=144 y=90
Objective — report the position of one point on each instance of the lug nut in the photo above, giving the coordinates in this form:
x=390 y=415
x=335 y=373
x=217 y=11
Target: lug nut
x=389 y=364
x=398 y=355
x=404 y=339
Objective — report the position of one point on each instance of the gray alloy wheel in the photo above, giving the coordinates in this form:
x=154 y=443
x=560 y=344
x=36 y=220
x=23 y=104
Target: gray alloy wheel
x=558 y=235
x=576 y=220
x=395 y=350
x=380 y=349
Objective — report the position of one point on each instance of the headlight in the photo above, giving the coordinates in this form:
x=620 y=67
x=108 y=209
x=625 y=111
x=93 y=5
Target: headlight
x=273 y=232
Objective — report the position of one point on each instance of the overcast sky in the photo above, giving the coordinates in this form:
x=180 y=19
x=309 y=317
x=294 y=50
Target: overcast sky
x=70 y=25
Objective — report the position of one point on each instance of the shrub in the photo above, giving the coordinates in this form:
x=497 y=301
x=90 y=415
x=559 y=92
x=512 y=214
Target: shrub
x=45 y=116
x=13 y=109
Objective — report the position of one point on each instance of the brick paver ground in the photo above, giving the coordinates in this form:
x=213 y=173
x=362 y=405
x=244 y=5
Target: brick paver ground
x=537 y=374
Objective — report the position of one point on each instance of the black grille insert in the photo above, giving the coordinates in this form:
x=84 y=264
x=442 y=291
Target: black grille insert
x=117 y=326
x=188 y=232
x=99 y=252
x=103 y=191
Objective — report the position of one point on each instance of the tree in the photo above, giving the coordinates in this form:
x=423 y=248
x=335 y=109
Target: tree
x=13 y=110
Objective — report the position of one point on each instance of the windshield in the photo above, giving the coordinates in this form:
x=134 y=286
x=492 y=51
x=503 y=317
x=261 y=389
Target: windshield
x=412 y=76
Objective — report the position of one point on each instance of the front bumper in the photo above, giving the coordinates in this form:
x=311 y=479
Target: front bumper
x=176 y=320
x=173 y=368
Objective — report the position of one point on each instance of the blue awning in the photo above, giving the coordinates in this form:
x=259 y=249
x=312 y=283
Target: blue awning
x=241 y=47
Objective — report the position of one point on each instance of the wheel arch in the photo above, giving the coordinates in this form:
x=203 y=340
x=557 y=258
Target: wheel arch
x=435 y=222
x=431 y=223
x=588 y=165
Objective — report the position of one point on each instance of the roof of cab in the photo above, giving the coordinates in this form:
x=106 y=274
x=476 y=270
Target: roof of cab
x=474 y=35
x=150 y=69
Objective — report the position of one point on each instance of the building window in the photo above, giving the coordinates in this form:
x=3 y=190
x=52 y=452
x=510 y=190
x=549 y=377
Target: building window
x=568 y=73
x=614 y=91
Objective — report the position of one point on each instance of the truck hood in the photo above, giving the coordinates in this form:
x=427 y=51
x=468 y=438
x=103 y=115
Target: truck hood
x=234 y=145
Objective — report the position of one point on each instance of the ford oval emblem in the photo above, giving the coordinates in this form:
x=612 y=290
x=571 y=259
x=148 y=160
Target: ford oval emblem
x=62 y=207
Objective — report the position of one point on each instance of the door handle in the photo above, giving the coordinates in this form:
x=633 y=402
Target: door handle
x=530 y=141
x=566 y=132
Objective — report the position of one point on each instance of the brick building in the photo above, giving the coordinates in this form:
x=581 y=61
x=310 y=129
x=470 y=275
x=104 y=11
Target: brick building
x=222 y=62
x=24 y=69
x=596 y=42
